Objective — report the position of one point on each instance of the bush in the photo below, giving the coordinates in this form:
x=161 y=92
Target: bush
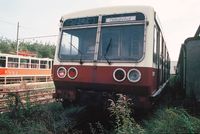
x=172 y=120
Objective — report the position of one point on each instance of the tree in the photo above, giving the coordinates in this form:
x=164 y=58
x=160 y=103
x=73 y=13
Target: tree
x=42 y=50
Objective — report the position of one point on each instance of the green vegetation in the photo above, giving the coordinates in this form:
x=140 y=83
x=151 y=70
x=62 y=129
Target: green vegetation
x=173 y=121
x=7 y=46
x=42 y=50
x=41 y=119
x=52 y=118
x=123 y=122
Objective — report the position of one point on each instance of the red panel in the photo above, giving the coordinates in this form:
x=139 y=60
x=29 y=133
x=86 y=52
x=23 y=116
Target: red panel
x=20 y=72
x=103 y=76
x=2 y=71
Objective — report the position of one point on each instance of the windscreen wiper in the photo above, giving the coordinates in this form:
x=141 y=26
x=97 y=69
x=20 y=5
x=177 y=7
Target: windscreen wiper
x=107 y=49
x=79 y=51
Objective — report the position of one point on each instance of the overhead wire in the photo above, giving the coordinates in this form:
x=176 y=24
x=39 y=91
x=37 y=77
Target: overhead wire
x=10 y=23
x=24 y=27
x=43 y=36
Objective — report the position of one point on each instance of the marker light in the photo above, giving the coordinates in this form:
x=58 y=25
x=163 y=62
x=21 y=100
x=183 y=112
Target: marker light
x=134 y=75
x=72 y=72
x=119 y=75
x=61 y=72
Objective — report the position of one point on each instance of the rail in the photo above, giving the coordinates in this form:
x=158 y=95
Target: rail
x=11 y=99
x=27 y=79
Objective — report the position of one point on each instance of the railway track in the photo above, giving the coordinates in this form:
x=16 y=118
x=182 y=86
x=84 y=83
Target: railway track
x=13 y=96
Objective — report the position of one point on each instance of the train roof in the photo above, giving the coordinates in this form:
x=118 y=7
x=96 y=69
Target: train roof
x=20 y=56
x=196 y=36
x=147 y=10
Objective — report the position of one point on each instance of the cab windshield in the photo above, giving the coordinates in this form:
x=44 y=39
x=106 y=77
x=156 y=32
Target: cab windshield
x=78 y=44
x=118 y=39
x=121 y=43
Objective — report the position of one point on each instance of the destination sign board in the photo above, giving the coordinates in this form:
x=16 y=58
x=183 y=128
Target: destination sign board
x=113 y=18
x=121 y=19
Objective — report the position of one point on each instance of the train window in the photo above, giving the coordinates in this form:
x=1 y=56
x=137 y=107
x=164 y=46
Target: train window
x=165 y=52
x=50 y=63
x=122 y=42
x=81 y=21
x=2 y=61
x=43 y=64
x=78 y=44
x=163 y=59
x=155 y=46
x=164 y=49
x=71 y=42
x=24 y=63
x=161 y=45
x=161 y=51
x=13 y=62
x=34 y=63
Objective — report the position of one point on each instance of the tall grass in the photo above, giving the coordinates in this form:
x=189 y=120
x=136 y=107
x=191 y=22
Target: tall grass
x=54 y=119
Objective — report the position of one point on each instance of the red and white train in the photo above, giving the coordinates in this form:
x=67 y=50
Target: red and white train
x=111 y=50
x=17 y=68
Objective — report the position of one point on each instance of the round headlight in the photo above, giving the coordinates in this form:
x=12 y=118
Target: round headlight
x=134 y=75
x=61 y=72
x=119 y=75
x=72 y=72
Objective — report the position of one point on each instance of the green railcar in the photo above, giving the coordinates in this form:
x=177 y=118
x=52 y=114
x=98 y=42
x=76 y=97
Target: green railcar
x=188 y=67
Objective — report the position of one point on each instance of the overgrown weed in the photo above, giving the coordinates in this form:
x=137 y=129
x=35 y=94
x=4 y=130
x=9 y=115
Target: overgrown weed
x=54 y=119
x=123 y=122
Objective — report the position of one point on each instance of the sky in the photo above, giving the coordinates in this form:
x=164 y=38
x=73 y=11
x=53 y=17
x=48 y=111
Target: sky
x=179 y=18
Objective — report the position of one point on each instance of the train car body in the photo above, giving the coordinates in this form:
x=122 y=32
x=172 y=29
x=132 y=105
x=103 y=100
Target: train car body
x=17 y=68
x=111 y=50
x=188 y=67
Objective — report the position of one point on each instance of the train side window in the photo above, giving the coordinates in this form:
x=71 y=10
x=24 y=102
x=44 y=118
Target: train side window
x=155 y=41
x=2 y=61
x=160 y=58
x=161 y=46
x=50 y=65
x=34 y=63
x=164 y=57
x=24 y=63
x=164 y=50
x=13 y=62
x=156 y=45
x=43 y=64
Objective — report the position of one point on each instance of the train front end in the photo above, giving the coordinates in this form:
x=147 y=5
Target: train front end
x=105 y=52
